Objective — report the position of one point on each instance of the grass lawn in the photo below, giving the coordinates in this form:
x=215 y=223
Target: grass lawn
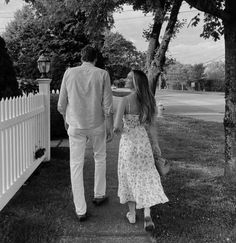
x=201 y=207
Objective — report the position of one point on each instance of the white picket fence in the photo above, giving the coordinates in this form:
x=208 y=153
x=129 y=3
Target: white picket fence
x=23 y=141
x=55 y=91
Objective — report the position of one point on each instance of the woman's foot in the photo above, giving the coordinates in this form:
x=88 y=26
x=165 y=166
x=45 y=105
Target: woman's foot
x=148 y=224
x=131 y=217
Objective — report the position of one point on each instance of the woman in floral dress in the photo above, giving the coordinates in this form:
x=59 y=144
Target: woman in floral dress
x=139 y=181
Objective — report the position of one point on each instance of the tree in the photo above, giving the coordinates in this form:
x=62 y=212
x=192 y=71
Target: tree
x=121 y=55
x=118 y=50
x=197 y=72
x=177 y=75
x=101 y=11
x=220 y=18
x=8 y=82
x=33 y=31
x=156 y=56
x=25 y=38
x=162 y=10
x=99 y=17
x=60 y=30
x=196 y=76
x=215 y=75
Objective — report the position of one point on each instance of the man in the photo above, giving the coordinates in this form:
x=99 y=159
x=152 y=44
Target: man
x=85 y=101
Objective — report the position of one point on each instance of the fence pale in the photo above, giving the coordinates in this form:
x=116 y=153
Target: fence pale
x=23 y=140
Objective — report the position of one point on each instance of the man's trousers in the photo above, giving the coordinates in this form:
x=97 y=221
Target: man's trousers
x=78 y=139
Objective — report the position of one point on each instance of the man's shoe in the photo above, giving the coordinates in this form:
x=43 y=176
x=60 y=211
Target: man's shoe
x=100 y=200
x=82 y=217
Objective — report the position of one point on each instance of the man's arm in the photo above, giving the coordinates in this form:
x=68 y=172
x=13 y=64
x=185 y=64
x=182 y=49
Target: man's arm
x=108 y=106
x=63 y=99
x=118 y=124
x=109 y=128
x=153 y=136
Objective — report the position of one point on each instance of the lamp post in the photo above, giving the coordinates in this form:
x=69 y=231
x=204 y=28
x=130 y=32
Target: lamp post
x=44 y=66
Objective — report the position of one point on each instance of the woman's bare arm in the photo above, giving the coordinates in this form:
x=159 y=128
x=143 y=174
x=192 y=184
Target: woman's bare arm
x=119 y=115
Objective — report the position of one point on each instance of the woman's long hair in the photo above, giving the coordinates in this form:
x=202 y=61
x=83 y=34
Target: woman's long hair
x=145 y=97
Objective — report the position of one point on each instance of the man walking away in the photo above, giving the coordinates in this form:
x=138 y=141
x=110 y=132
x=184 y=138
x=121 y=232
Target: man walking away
x=85 y=101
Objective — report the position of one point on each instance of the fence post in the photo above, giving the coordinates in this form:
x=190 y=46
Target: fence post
x=44 y=88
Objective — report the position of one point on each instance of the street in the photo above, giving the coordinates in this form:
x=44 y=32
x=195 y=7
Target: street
x=208 y=106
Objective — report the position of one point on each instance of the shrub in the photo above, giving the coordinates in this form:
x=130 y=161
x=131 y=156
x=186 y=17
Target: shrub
x=57 y=123
x=29 y=86
x=120 y=83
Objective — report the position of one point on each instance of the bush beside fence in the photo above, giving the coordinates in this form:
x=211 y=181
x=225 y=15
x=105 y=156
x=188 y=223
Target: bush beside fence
x=57 y=123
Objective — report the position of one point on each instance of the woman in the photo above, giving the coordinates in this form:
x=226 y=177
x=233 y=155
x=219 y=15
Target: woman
x=139 y=182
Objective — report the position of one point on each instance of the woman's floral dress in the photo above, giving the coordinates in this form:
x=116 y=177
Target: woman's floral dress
x=139 y=181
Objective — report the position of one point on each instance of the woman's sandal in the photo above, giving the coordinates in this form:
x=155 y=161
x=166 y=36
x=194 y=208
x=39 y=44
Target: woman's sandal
x=131 y=218
x=148 y=224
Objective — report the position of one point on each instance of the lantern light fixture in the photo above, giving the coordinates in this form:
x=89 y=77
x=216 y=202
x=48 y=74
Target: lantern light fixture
x=44 y=65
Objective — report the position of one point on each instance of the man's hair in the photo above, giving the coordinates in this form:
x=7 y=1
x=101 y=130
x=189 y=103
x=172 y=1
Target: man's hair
x=88 y=54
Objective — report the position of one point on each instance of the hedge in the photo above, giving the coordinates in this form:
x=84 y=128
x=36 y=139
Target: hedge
x=57 y=123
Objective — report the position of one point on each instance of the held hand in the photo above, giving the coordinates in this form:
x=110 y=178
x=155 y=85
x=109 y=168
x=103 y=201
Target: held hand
x=110 y=136
x=109 y=128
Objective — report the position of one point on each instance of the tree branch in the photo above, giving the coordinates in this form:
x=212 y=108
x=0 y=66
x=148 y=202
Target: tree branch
x=156 y=66
x=210 y=7
x=160 y=55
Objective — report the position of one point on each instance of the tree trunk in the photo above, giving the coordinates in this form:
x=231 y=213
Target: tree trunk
x=154 y=44
x=158 y=62
x=230 y=92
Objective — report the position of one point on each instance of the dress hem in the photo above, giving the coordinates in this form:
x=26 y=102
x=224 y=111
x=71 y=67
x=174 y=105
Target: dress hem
x=143 y=206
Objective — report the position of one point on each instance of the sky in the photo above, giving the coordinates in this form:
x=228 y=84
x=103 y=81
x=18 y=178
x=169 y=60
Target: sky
x=188 y=47
x=7 y=11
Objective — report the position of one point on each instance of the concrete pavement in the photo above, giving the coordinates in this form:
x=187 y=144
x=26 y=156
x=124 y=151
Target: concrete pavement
x=107 y=223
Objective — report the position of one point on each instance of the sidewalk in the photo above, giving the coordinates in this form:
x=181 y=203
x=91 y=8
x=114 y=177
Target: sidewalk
x=108 y=223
